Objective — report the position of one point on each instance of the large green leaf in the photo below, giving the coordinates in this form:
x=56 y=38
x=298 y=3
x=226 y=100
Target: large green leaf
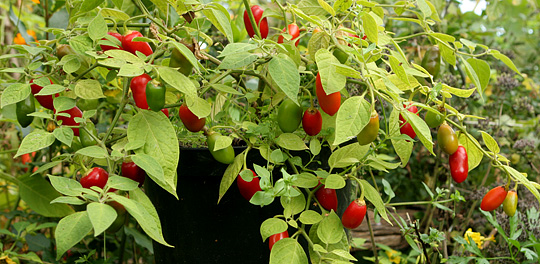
x=353 y=115
x=70 y=230
x=155 y=129
x=285 y=74
x=38 y=193
x=331 y=80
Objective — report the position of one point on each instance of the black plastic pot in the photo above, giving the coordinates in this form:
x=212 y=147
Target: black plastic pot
x=201 y=230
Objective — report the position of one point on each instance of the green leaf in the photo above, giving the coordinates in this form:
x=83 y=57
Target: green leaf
x=327 y=7
x=97 y=28
x=398 y=69
x=90 y=5
x=458 y=92
x=482 y=70
x=373 y=196
x=89 y=89
x=70 y=230
x=188 y=54
x=198 y=106
x=101 y=216
x=310 y=217
x=66 y=186
x=68 y=200
x=38 y=139
x=342 y=5
x=421 y=129
x=272 y=226
x=288 y=251
x=234 y=48
x=353 y=115
x=285 y=74
x=15 y=93
x=38 y=193
x=334 y=181
x=131 y=70
x=330 y=229
x=331 y=81
x=161 y=143
x=238 y=60
x=348 y=71
x=474 y=154
x=498 y=55
x=64 y=135
x=402 y=147
x=140 y=207
x=230 y=174
x=291 y=141
x=93 y=151
x=490 y=142
x=471 y=73
x=291 y=205
x=347 y=156
x=447 y=53
x=222 y=142
x=220 y=18
x=319 y=40
x=178 y=81
x=424 y=7
x=225 y=89
x=151 y=166
x=519 y=177
x=305 y=180
x=63 y=103
x=370 y=27
x=315 y=146
x=51 y=89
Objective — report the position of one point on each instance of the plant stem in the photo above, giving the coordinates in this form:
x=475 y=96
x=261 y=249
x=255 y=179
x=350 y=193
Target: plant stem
x=417 y=203
x=373 y=245
x=120 y=109
x=252 y=18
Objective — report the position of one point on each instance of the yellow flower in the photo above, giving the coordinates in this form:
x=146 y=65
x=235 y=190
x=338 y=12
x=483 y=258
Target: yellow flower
x=393 y=256
x=6 y=260
x=35 y=1
x=477 y=238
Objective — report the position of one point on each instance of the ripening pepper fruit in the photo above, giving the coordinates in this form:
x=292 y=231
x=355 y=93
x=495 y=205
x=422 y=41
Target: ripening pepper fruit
x=178 y=60
x=494 y=198
x=44 y=100
x=86 y=138
x=190 y=120
x=433 y=119
x=134 y=172
x=312 y=121
x=289 y=116
x=370 y=131
x=459 y=164
x=23 y=108
x=133 y=46
x=70 y=121
x=354 y=214
x=96 y=177
x=225 y=155
x=294 y=31
x=510 y=203
x=117 y=36
x=277 y=237
x=405 y=127
x=329 y=103
x=447 y=139
x=327 y=198
x=262 y=24
x=121 y=214
x=155 y=96
x=138 y=89
x=248 y=189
